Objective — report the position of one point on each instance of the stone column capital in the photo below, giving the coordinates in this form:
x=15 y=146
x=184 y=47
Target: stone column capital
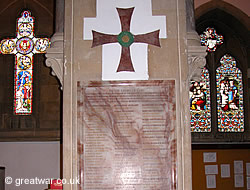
x=54 y=57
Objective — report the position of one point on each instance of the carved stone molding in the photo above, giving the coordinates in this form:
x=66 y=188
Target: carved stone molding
x=196 y=52
x=196 y=56
x=54 y=56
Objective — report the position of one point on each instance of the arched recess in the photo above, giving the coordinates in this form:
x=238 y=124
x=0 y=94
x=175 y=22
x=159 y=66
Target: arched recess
x=226 y=7
x=230 y=23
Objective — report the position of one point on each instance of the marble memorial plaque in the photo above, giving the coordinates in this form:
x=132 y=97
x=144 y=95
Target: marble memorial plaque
x=127 y=135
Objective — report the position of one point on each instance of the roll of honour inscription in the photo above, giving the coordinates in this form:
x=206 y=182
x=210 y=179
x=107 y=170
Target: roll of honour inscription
x=126 y=135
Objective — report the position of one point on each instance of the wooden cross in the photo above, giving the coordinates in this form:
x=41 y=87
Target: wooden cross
x=24 y=46
x=125 y=39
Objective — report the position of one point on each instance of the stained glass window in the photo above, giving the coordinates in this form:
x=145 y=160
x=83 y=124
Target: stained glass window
x=211 y=39
x=200 y=104
x=229 y=96
x=24 y=46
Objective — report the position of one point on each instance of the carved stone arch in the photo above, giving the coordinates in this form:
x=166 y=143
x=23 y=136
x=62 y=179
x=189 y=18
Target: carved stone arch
x=227 y=7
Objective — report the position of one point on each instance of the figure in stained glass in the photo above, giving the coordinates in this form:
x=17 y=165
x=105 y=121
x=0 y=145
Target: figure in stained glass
x=211 y=39
x=23 y=97
x=7 y=46
x=200 y=104
x=229 y=96
x=42 y=44
x=25 y=29
x=198 y=97
x=24 y=46
x=24 y=62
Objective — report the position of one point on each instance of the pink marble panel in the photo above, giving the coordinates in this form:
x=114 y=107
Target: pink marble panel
x=126 y=135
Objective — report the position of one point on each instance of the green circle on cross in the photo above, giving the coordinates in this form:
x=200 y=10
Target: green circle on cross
x=125 y=38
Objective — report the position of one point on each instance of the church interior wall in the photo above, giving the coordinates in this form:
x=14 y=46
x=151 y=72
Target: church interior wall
x=30 y=160
x=42 y=159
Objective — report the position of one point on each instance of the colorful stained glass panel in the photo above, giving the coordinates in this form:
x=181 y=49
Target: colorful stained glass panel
x=200 y=104
x=23 y=84
x=24 y=46
x=229 y=96
x=211 y=39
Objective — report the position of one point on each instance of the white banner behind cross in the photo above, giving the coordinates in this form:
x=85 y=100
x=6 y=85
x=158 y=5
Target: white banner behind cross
x=107 y=21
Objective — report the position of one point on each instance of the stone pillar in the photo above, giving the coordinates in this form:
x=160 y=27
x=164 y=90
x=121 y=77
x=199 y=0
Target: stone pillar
x=83 y=66
x=54 y=54
x=59 y=16
x=196 y=52
x=190 y=15
x=196 y=61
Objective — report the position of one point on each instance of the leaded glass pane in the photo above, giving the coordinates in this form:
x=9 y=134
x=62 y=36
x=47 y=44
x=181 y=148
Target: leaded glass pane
x=200 y=104
x=24 y=46
x=211 y=39
x=23 y=84
x=229 y=96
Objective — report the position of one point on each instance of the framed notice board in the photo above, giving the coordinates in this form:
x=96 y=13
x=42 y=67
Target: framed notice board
x=221 y=169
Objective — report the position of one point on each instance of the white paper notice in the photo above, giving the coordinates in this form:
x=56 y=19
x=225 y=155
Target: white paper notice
x=211 y=169
x=238 y=167
x=248 y=182
x=211 y=181
x=238 y=181
x=248 y=169
x=209 y=157
x=225 y=170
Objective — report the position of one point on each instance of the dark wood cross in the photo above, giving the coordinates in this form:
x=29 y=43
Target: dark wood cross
x=125 y=39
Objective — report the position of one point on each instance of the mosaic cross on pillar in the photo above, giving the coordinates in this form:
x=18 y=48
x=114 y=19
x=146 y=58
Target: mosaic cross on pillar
x=124 y=29
x=24 y=46
x=125 y=39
